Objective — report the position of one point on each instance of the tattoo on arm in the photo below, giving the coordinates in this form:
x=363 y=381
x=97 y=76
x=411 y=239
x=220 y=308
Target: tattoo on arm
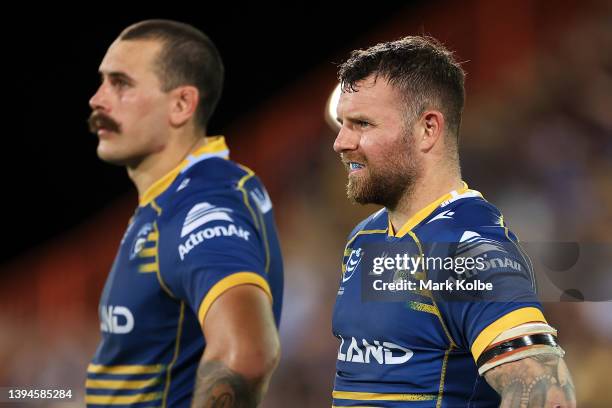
x=533 y=382
x=219 y=387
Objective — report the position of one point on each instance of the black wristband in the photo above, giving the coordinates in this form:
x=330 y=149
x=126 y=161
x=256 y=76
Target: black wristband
x=514 y=344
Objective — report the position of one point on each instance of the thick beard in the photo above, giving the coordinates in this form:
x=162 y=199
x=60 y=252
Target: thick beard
x=388 y=185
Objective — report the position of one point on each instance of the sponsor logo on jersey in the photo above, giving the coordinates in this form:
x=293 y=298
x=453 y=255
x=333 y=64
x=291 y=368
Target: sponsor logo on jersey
x=372 y=352
x=351 y=264
x=197 y=238
x=203 y=213
x=140 y=240
x=501 y=263
x=494 y=253
x=116 y=319
x=474 y=243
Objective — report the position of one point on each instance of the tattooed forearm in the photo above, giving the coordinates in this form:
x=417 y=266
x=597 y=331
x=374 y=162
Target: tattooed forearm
x=219 y=387
x=533 y=382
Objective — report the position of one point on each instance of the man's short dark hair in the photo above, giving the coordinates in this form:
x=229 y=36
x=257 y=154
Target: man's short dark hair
x=187 y=57
x=420 y=67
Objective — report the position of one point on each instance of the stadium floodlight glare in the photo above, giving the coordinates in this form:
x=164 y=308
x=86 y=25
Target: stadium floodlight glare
x=330 y=111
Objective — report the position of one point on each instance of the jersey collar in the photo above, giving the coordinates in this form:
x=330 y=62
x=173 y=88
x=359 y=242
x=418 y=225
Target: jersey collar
x=215 y=147
x=426 y=211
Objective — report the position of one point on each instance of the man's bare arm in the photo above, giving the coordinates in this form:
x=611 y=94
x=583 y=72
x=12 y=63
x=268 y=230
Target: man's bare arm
x=218 y=386
x=242 y=350
x=533 y=382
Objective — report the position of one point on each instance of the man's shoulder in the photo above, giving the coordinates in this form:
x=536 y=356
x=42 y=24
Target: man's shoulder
x=209 y=204
x=217 y=174
x=376 y=222
x=214 y=183
x=481 y=227
x=469 y=228
x=452 y=221
x=475 y=212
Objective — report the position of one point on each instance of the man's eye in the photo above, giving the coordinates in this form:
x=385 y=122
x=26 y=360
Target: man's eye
x=119 y=83
x=362 y=123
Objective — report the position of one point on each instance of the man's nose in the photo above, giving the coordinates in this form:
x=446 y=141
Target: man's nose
x=99 y=100
x=346 y=140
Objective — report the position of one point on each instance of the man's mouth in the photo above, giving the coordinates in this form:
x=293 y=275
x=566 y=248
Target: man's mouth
x=102 y=131
x=102 y=124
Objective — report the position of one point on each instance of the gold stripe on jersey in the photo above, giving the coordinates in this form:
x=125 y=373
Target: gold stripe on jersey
x=147 y=252
x=179 y=332
x=258 y=221
x=245 y=196
x=375 y=396
x=424 y=213
x=150 y=252
x=122 y=399
x=147 y=268
x=235 y=279
x=265 y=240
x=423 y=307
x=215 y=144
x=443 y=376
x=156 y=207
x=121 y=384
x=365 y=232
x=125 y=369
x=429 y=295
x=157 y=271
x=508 y=321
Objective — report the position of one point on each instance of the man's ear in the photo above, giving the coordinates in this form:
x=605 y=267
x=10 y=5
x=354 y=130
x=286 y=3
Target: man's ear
x=430 y=128
x=183 y=104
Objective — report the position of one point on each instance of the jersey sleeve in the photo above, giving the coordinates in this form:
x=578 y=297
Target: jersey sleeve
x=497 y=292
x=213 y=244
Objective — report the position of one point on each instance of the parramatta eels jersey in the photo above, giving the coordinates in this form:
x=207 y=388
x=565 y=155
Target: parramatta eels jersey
x=416 y=346
x=203 y=228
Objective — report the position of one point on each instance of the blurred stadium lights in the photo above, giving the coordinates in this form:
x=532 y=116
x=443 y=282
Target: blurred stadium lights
x=331 y=106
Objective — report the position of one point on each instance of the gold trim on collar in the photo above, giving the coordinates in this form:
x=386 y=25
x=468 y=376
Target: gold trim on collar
x=214 y=144
x=424 y=212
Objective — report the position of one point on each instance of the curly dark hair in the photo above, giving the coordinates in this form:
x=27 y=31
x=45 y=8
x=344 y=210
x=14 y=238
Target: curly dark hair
x=420 y=67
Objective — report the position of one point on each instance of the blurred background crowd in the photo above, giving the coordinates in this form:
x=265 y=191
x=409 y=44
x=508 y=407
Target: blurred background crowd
x=536 y=140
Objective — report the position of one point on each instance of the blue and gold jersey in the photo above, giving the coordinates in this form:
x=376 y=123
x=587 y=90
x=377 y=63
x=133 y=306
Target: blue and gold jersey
x=419 y=350
x=205 y=227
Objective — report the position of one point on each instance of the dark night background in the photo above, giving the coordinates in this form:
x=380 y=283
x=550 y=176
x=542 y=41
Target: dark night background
x=536 y=140
x=53 y=179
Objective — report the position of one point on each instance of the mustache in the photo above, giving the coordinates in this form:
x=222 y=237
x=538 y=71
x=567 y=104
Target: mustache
x=345 y=159
x=98 y=120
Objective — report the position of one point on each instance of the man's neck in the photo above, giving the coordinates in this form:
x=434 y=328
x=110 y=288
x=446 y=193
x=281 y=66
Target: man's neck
x=426 y=190
x=155 y=166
